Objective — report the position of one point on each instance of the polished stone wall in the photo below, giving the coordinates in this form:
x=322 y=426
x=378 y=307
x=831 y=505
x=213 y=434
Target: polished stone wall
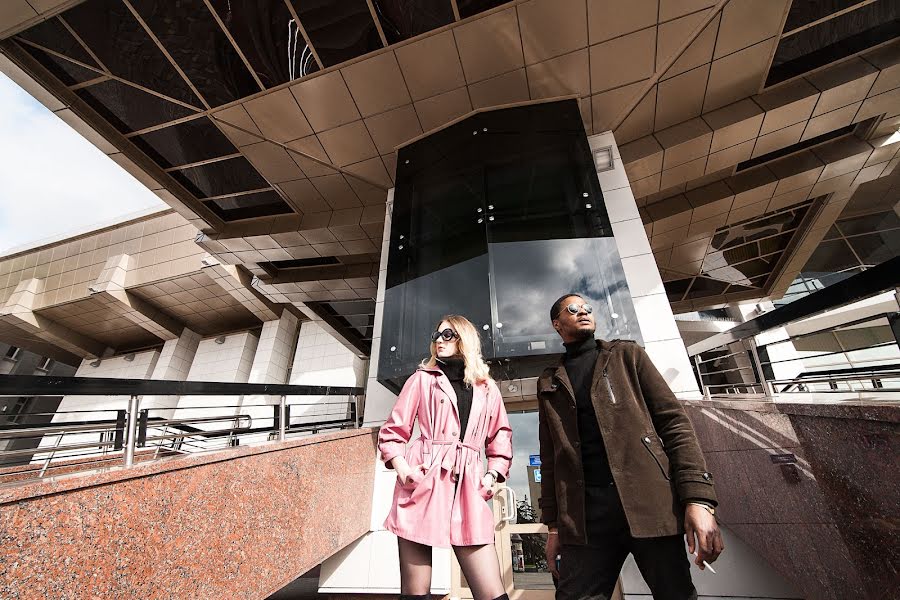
x=811 y=487
x=241 y=523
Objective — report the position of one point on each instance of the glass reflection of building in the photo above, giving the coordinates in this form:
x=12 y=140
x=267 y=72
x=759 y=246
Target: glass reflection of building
x=494 y=218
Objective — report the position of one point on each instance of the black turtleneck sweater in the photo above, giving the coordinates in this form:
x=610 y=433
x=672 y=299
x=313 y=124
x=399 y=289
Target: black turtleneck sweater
x=455 y=368
x=579 y=361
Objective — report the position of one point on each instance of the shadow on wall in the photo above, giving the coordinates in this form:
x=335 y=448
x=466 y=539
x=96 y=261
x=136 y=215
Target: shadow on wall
x=812 y=488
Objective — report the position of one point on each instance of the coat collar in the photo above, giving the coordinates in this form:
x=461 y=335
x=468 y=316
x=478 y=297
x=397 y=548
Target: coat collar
x=479 y=396
x=605 y=348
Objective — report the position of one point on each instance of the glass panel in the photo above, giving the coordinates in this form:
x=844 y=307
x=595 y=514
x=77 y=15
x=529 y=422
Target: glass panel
x=185 y=143
x=130 y=109
x=246 y=206
x=807 y=11
x=830 y=257
x=267 y=35
x=675 y=289
x=220 y=178
x=115 y=36
x=587 y=266
x=53 y=35
x=437 y=265
x=403 y=19
x=66 y=71
x=869 y=223
x=530 y=571
x=525 y=477
x=876 y=248
x=338 y=29
x=190 y=34
x=467 y=8
x=703 y=287
x=835 y=39
x=527 y=549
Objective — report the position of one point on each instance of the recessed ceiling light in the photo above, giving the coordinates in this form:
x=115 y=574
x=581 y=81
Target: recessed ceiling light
x=603 y=158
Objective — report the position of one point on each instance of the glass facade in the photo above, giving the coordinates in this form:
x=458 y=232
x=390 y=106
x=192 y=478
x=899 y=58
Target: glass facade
x=494 y=218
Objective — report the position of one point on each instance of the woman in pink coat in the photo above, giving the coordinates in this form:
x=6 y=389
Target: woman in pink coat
x=442 y=491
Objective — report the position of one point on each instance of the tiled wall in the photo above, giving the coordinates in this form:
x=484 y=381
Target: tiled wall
x=162 y=247
x=661 y=337
x=138 y=365
x=228 y=362
x=322 y=360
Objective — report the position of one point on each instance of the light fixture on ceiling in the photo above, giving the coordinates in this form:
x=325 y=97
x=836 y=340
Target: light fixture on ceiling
x=603 y=158
x=129 y=357
x=220 y=339
x=95 y=363
x=513 y=388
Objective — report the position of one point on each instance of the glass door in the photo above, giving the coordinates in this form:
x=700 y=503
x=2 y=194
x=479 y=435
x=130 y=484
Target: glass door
x=519 y=538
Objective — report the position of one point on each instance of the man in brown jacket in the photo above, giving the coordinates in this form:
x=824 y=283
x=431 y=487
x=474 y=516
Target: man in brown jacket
x=621 y=468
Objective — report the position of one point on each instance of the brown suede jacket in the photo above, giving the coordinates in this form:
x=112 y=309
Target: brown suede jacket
x=653 y=452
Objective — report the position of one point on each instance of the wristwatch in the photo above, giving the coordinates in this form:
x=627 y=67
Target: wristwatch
x=708 y=507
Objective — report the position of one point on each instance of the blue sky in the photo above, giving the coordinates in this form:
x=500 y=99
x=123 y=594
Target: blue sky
x=52 y=180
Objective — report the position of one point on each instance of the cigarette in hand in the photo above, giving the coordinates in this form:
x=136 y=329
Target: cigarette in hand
x=708 y=566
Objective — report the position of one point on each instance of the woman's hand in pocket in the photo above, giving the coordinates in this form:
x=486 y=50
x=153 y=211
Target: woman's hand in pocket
x=411 y=475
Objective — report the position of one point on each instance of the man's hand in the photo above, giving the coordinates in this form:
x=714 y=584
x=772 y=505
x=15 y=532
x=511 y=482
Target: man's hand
x=700 y=524
x=551 y=551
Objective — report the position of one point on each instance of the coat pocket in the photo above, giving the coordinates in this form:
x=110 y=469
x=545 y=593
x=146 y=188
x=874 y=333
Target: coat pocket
x=658 y=454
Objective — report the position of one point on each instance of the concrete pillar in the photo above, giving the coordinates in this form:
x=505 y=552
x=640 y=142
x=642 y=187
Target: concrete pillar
x=173 y=364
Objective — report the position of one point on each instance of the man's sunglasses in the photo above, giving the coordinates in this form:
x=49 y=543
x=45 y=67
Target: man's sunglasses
x=447 y=335
x=575 y=308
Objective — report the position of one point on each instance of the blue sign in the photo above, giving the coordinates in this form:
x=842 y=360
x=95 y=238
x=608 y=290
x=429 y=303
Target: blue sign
x=537 y=475
x=534 y=460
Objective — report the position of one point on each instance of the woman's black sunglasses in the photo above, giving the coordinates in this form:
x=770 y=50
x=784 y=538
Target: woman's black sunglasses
x=447 y=335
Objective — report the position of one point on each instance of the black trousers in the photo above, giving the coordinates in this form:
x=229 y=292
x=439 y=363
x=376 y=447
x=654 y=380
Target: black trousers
x=590 y=572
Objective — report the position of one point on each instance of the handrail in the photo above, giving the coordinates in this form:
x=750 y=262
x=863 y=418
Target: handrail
x=866 y=284
x=127 y=432
x=36 y=385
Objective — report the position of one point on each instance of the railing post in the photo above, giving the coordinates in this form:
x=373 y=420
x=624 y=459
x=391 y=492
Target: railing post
x=703 y=387
x=131 y=430
x=766 y=385
x=282 y=418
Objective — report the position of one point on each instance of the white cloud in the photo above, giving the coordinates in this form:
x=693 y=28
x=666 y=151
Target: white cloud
x=52 y=180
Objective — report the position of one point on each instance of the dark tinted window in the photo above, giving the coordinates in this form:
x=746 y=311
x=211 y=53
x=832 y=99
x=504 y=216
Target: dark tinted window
x=268 y=37
x=338 y=29
x=467 y=8
x=190 y=34
x=221 y=178
x=246 y=206
x=403 y=19
x=807 y=11
x=66 y=71
x=185 y=143
x=53 y=35
x=128 y=108
x=835 y=39
x=115 y=36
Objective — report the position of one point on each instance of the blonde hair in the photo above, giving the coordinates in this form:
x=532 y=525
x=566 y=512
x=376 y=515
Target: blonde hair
x=468 y=346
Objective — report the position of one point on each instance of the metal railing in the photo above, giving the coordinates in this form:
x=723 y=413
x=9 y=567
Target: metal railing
x=760 y=359
x=178 y=419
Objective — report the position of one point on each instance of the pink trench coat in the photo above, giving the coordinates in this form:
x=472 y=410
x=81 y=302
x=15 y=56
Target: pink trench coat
x=433 y=510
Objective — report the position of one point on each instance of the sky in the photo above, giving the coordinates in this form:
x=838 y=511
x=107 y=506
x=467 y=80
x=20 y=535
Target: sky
x=52 y=180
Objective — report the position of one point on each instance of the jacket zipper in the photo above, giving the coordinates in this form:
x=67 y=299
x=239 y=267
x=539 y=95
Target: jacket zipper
x=612 y=395
x=646 y=440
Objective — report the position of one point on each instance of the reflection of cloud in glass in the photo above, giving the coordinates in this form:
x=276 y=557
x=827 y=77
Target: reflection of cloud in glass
x=525 y=443
x=530 y=275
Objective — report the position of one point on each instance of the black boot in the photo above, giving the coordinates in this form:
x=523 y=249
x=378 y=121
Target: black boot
x=503 y=597
x=414 y=597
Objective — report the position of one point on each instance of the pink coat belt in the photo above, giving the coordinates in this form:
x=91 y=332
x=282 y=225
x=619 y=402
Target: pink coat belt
x=453 y=457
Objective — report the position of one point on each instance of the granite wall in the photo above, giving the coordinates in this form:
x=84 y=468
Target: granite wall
x=240 y=523
x=812 y=487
